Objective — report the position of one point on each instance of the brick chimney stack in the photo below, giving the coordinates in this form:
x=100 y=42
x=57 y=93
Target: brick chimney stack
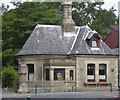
x=68 y=25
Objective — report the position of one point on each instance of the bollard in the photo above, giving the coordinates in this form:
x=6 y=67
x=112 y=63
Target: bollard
x=72 y=88
x=28 y=98
x=35 y=89
x=110 y=87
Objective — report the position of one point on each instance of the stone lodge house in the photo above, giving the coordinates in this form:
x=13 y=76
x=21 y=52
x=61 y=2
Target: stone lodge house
x=66 y=58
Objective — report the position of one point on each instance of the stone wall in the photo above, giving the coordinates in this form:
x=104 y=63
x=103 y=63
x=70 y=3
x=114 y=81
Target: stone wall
x=77 y=64
x=81 y=70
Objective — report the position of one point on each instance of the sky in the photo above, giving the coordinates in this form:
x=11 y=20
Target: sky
x=108 y=4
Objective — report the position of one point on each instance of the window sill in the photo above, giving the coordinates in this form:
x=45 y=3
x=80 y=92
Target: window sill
x=97 y=83
x=64 y=81
x=95 y=48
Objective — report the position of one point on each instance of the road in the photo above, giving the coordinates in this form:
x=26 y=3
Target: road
x=62 y=95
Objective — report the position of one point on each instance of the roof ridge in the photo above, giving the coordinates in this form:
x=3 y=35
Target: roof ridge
x=41 y=25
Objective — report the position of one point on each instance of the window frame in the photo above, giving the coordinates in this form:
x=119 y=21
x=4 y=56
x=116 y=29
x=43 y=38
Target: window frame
x=32 y=73
x=71 y=74
x=94 y=43
x=103 y=76
x=47 y=74
x=91 y=77
x=60 y=78
x=96 y=38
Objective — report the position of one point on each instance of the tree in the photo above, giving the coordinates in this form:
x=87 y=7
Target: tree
x=93 y=15
x=103 y=20
x=19 y=23
x=9 y=76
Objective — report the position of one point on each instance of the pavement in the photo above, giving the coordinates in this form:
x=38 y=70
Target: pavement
x=6 y=95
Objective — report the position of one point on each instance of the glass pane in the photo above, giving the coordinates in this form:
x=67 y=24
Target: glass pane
x=31 y=76
x=30 y=68
x=94 y=43
x=59 y=74
x=102 y=69
x=47 y=74
x=30 y=72
x=90 y=76
x=102 y=72
x=91 y=69
x=102 y=77
x=91 y=72
x=102 y=66
x=71 y=74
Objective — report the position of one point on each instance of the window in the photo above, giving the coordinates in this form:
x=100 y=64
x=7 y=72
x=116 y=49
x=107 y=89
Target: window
x=30 y=72
x=91 y=72
x=71 y=75
x=102 y=72
x=59 y=74
x=94 y=43
x=47 y=74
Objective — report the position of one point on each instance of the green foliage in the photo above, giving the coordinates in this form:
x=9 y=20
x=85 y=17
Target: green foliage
x=19 y=23
x=9 y=76
x=8 y=56
x=93 y=15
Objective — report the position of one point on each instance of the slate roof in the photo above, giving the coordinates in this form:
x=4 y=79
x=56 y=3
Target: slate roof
x=116 y=50
x=49 y=40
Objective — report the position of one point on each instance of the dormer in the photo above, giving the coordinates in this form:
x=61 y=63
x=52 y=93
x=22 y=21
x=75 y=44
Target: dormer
x=93 y=41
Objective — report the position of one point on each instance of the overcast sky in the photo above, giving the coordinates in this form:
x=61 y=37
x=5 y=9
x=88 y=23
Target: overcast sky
x=108 y=4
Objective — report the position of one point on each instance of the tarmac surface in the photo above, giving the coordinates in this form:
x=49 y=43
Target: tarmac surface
x=102 y=95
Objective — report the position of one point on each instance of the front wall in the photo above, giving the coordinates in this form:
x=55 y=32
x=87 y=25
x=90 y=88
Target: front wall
x=79 y=65
x=57 y=62
x=112 y=77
